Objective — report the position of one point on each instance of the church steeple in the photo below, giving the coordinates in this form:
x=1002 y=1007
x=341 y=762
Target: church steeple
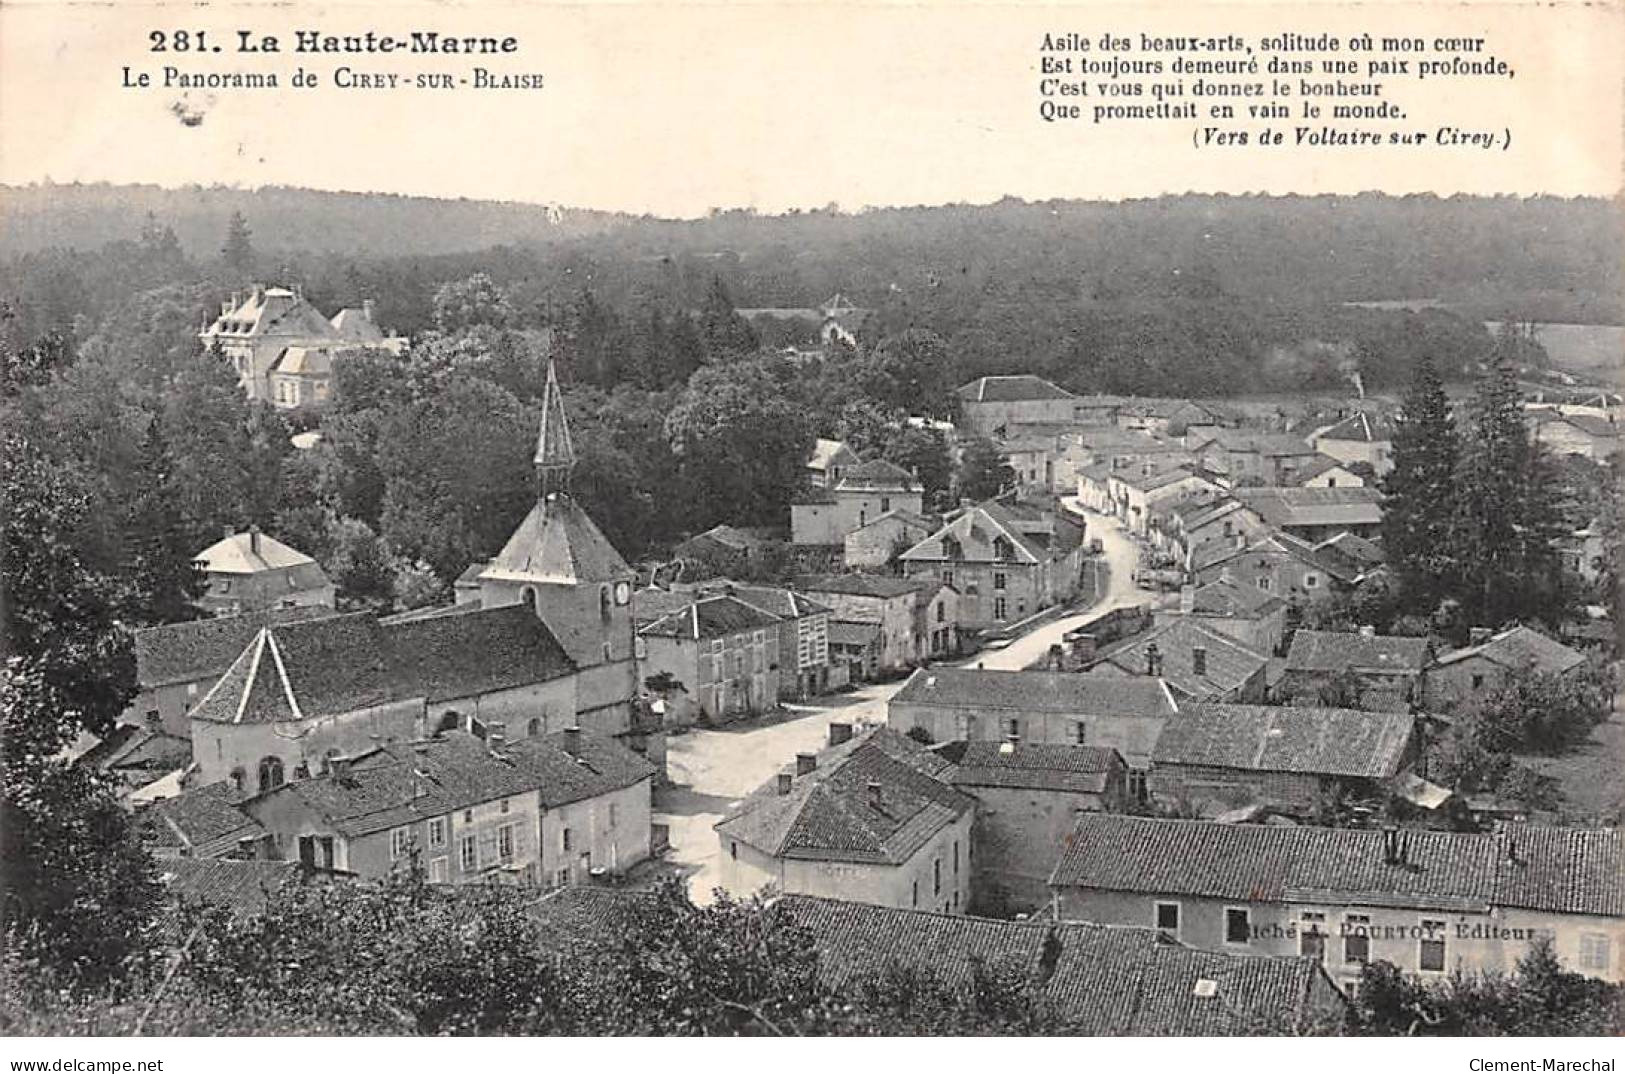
x=555 y=456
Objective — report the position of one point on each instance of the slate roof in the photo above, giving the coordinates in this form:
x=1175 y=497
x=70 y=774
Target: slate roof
x=1281 y=507
x=1035 y=766
x=1518 y=648
x=1248 y=441
x=1230 y=664
x=1022 y=387
x=710 y=617
x=337 y=664
x=237 y=554
x=305 y=361
x=1279 y=738
x=834 y=813
x=197 y=820
x=1036 y=692
x=859 y=584
x=1359 y=426
x=825 y=452
x=1325 y=650
x=1554 y=870
x=1232 y=600
x=558 y=543
x=354 y=323
x=409 y=782
x=274 y=311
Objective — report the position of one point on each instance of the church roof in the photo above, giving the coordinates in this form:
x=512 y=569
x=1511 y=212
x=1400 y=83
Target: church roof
x=553 y=447
x=559 y=544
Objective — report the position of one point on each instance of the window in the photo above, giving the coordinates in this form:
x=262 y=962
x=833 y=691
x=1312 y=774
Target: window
x=238 y=779
x=614 y=814
x=605 y=601
x=505 y=843
x=998 y=579
x=1012 y=727
x=885 y=504
x=533 y=728
x=733 y=851
x=1238 y=926
x=1082 y=733
x=437 y=832
x=999 y=608
x=437 y=871
x=936 y=876
x=1594 y=951
x=948 y=577
x=400 y=842
x=914 y=894
x=1356 y=938
x=191 y=689
x=1478 y=682
x=1001 y=548
x=1311 y=580
x=561 y=878
x=1168 y=918
x=564 y=840
x=527 y=597
x=1312 y=936
x=1264 y=583
x=468 y=855
x=504 y=807
x=270 y=773
x=942 y=611
x=1430 y=948
x=468 y=816
x=956 y=857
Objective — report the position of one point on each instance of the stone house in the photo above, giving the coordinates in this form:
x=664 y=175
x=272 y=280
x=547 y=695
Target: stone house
x=1360 y=437
x=1246 y=613
x=1248 y=457
x=1325 y=472
x=872 y=598
x=876 y=545
x=936 y=621
x=205 y=822
x=989 y=405
x=724 y=651
x=1138 y=496
x=854 y=651
x=1366 y=671
x=1007 y=561
x=975 y=705
x=1586 y=435
x=829 y=461
x=1430 y=903
x=254 y=572
x=1281 y=565
x=867 y=821
x=721 y=550
x=803 y=657
x=258 y=332
x=865 y=492
x=1202 y=529
x=1028 y=799
x=1316 y=514
x=1219 y=757
x=1458 y=677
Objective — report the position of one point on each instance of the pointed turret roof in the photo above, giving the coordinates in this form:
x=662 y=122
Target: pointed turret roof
x=553 y=448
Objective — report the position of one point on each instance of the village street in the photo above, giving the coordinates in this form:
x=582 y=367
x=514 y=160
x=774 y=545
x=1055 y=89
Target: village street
x=712 y=769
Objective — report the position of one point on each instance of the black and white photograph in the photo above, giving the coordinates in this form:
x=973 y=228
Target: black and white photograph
x=655 y=520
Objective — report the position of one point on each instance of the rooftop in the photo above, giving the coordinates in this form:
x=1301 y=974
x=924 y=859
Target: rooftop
x=1033 y=766
x=1357 y=505
x=196 y=819
x=1359 y=426
x=860 y=585
x=1555 y=870
x=1279 y=738
x=1037 y=691
x=710 y=617
x=558 y=543
x=1518 y=648
x=1228 y=664
x=1324 y=650
x=1232 y=600
x=250 y=553
x=1022 y=387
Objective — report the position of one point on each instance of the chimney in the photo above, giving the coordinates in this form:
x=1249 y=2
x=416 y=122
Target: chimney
x=254 y=539
x=339 y=767
x=785 y=781
x=839 y=733
x=153 y=720
x=1084 y=646
x=246 y=848
x=1390 y=845
x=496 y=738
x=1057 y=660
x=806 y=762
x=1478 y=635
x=572 y=741
x=1199 y=659
x=367 y=307
x=1187 y=599
x=1153 y=659
x=873 y=790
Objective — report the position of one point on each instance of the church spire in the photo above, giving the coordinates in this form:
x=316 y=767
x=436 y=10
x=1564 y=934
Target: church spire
x=555 y=456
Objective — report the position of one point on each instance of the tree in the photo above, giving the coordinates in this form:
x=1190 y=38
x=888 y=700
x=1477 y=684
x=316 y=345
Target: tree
x=237 y=252
x=206 y=425
x=470 y=302
x=1420 y=509
x=910 y=372
x=161 y=564
x=417 y=586
x=360 y=566
x=724 y=335
x=923 y=452
x=983 y=472
x=76 y=888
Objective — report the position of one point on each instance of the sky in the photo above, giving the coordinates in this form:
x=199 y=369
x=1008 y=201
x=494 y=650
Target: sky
x=674 y=109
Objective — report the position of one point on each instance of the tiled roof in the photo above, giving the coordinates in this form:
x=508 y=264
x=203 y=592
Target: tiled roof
x=239 y=887
x=879 y=474
x=1229 y=663
x=1285 y=544
x=1359 y=426
x=1554 y=870
x=325 y=667
x=1230 y=599
x=1279 y=738
x=1035 y=766
x=1011 y=389
x=403 y=783
x=1314 y=507
x=651 y=603
x=249 y=553
x=897 y=516
x=1314 y=468
x=867 y=807
x=1248 y=441
x=1591 y=424
x=976 y=530
x=204 y=648
x=1325 y=650
x=860 y=585
x=1355 y=555
x=1037 y=691
x=710 y=617
x=1518 y=648
x=776 y=601
x=133 y=749
x=558 y=543
x=825 y=452
x=1099 y=980
x=197 y=820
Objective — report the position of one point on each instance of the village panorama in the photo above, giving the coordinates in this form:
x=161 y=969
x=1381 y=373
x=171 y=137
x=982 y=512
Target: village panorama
x=1063 y=618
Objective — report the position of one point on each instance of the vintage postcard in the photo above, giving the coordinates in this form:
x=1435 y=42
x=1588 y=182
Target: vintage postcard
x=655 y=519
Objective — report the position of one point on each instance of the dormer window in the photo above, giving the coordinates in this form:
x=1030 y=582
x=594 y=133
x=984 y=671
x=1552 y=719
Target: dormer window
x=1001 y=548
x=952 y=549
